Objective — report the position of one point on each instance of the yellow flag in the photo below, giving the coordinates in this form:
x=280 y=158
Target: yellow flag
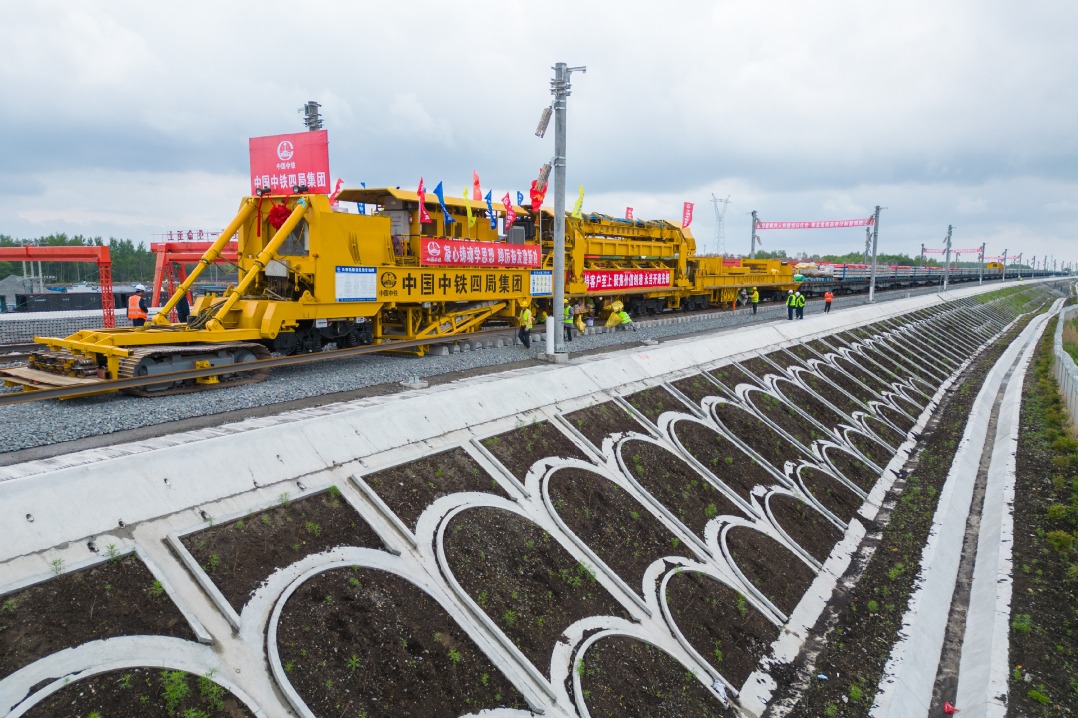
x=579 y=203
x=468 y=207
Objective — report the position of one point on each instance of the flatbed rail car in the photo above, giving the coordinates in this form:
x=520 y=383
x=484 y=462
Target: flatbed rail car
x=310 y=276
x=854 y=278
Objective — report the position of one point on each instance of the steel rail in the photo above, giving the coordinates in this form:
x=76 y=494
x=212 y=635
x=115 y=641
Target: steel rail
x=113 y=385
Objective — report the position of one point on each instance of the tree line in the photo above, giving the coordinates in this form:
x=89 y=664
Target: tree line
x=130 y=262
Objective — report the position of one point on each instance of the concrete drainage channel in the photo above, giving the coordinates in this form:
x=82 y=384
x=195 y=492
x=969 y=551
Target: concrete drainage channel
x=567 y=540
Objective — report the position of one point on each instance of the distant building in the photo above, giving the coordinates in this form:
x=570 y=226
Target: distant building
x=10 y=286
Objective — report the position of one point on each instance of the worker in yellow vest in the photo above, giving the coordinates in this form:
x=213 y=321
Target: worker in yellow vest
x=799 y=304
x=754 y=298
x=790 y=304
x=625 y=321
x=137 y=310
x=567 y=321
x=525 y=331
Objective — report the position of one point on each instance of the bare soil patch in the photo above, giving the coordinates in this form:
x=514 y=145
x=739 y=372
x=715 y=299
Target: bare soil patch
x=779 y=574
x=117 y=597
x=720 y=624
x=142 y=692
x=625 y=678
x=654 y=401
x=364 y=642
x=834 y=496
x=519 y=449
x=698 y=388
x=723 y=458
x=530 y=586
x=679 y=487
x=624 y=534
x=805 y=526
x=600 y=421
x=410 y=488
x=758 y=435
x=240 y=555
x=861 y=474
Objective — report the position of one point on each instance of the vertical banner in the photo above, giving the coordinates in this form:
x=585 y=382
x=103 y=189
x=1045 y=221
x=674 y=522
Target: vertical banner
x=579 y=203
x=281 y=162
x=490 y=211
x=686 y=215
x=510 y=213
x=477 y=194
x=468 y=208
x=424 y=216
x=441 y=201
x=361 y=207
x=520 y=198
x=628 y=213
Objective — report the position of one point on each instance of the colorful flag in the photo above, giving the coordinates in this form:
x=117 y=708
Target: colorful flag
x=628 y=213
x=686 y=215
x=441 y=201
x=520 y=198
x=579 y=203
x=510 y=213
x=424 y=216
x=336 y=191
x=537 y=195
x=490 y=211
x=361 y=207
x=477 y=194
x=468 y=209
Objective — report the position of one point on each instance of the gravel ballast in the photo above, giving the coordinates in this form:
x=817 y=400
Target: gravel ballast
x=48 y=426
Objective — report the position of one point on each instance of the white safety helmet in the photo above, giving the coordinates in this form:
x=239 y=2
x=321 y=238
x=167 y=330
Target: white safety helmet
x=140 y=288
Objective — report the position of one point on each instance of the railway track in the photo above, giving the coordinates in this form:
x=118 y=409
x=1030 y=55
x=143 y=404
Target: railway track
x=252 y=368
x=17 y=353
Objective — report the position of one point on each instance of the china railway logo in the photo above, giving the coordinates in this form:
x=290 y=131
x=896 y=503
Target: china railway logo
x=434 y=249
x=285 y=150
x=388 y=280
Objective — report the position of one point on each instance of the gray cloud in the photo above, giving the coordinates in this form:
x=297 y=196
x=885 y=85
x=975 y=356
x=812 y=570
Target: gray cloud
x=126 y=119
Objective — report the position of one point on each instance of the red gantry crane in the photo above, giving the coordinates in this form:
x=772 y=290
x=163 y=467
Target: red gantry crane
x=100 y=255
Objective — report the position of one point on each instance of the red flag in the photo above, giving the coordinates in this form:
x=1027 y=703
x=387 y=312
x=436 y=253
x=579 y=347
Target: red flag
x=686 y=215
x=477 y=195
x=948 y=708
x=510 y=213
x=628 y=213
x=336 y=190
x=537 y=195
x=424 y=216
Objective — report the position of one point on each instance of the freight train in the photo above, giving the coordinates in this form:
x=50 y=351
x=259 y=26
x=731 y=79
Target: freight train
x=818 y=278
x=404 y=270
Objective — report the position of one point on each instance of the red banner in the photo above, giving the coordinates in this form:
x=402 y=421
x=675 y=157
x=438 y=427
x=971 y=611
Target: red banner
x=826 y=224
x=628 y=213
x=686 y=215
x=457 y=253
x=281 y=162
x=424 y=215
x=611 y=280
x=477 y=195
x=510 y=213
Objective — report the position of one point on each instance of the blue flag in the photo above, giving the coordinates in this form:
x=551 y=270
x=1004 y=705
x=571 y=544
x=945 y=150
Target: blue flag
x=520 y=198
x=441 y=200
x=490 y=212
x=360 y=206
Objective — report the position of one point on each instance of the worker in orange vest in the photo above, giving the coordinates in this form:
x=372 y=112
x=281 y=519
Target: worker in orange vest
x=137 y=310
x=828 y=297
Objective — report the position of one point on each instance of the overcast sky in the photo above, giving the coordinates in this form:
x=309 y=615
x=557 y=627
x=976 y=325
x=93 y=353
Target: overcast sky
x=128 y=119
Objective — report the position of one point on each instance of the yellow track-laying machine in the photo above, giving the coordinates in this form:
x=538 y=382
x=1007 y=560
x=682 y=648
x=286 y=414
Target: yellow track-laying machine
x=310 y=275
